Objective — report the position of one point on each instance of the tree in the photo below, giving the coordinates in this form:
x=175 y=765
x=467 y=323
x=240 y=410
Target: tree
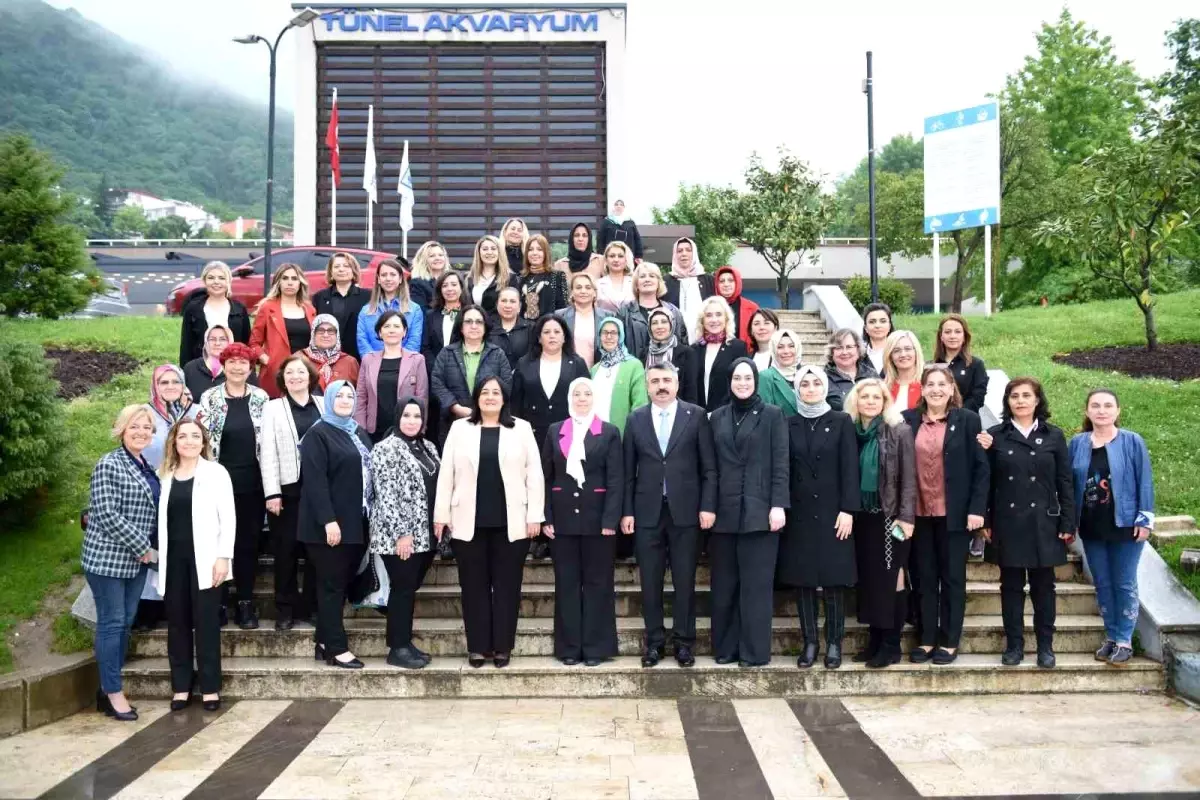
x=901 y=155
x=44 y=267
x=782 y=215
x=1137 y=209
x=103 y=205
x=130 y=221
x=694 y=207
x=171 y=226
x=1181 y=85
x=1086 y=97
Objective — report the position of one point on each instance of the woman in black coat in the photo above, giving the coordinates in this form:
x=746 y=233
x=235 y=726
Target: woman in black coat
x=435 y=335
x=816 y=548
x=582 y=463
x=1031 y=515
x=551 y=360
x=509 y=330
x=342 y=298
x=716 y=348
x=953 y=347
x=335 y=461
x=210 y=306
x=619 y=228
x=448 y=381
x=750 y=437
x=952 y=491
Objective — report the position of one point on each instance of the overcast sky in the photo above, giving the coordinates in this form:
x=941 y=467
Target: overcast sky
x=709 y=82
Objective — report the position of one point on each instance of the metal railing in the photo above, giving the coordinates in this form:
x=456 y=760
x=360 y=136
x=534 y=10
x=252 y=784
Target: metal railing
x=232 y=244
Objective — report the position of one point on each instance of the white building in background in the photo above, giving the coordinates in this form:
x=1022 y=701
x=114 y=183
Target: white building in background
x=155 y=207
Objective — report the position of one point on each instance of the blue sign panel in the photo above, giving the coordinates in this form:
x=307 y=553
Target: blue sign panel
x=975 y=218
x=962 y=169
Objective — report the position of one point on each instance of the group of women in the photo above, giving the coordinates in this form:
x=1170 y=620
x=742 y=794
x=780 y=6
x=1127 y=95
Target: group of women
x=501 y=430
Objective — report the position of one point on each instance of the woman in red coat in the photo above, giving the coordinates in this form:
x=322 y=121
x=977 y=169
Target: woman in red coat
x=282 y=323
x=728 y=283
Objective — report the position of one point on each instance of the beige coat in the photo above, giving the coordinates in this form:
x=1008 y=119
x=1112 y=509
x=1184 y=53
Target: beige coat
x=520 y=464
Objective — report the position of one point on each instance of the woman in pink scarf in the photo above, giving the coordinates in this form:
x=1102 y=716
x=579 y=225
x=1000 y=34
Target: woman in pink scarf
x=688 y=285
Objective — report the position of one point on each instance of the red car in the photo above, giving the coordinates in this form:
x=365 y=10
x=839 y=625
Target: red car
x=248 y=277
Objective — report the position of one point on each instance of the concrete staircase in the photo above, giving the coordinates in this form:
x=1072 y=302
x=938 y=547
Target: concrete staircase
x=814 y=336
x=267 y=664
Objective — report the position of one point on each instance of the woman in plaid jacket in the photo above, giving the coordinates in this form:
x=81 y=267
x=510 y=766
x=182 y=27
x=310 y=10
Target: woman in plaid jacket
x=117 y=546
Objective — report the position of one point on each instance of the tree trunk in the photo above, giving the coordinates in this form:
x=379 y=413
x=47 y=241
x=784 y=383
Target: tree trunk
x=1151 y=328
x=783 y=288
x=960 y=277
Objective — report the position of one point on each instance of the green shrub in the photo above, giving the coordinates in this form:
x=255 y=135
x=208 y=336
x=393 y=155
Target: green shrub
x=893 y=291
x=32 y=424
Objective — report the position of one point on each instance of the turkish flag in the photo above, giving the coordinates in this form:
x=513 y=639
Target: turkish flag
x=331 y=141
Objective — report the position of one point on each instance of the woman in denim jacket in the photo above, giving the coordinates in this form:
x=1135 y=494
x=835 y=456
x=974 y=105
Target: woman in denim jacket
x=1114 y=502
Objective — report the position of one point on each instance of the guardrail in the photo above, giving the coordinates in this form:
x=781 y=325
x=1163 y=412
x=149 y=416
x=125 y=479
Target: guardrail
x=233 y=244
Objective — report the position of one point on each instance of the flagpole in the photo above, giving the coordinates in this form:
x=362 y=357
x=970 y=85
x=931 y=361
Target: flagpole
x=333 y=209
x=404 y=244
x=370 y=227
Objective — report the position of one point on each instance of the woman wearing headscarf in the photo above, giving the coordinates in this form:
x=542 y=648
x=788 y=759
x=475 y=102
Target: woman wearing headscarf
x=581 y=256
x=776 y=385
x=688 y=285
x=404 y=469
x=667 y=346
x=583 y=467
x=815 y=549
x=170 y=402
x=618 y=379
x=325 y=352
x=335 y=459
x=619 y=227
x=751 y=444
x=285 y=421
x=728 y=282
x=883 y=527
x=203 y=373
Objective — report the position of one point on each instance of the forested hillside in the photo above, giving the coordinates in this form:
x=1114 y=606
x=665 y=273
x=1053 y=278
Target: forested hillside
x=103 y=108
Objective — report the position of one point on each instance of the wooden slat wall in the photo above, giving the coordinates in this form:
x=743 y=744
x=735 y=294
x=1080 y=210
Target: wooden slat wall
x=494 y=131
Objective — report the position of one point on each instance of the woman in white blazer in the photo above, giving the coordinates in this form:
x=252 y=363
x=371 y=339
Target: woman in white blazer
x=491 y=496
x=196 y=532
x=285 y=421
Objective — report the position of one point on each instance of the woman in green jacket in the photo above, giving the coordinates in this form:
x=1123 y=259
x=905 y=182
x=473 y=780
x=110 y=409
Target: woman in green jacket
x=618 y=379
x=775 y=383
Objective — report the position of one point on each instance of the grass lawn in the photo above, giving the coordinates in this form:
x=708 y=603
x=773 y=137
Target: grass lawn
x=1165 y=413
x=1170 y=551
x=40 y=548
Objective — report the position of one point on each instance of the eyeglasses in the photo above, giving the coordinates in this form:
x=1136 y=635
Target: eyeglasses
x=472 y=322
x=324 y=329
x=902 y=350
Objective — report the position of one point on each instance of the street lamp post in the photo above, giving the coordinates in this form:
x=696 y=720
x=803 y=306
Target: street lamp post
x=869 y=91
x=302 y=19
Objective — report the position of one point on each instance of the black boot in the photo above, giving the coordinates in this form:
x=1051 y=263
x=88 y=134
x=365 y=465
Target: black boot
x=246 y=617
x=833 y=655
x=889 y=651
x=405 y=658
x=873 y=644
x=1045 y=652
x=1014 y=653
x=808 y=657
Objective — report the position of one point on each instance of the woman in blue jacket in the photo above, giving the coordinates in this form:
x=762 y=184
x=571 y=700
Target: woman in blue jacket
x=390 y=294
x=1114 y=502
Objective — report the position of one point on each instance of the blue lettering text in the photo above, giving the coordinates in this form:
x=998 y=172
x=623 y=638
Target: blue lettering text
x=518 y=22
x=497 y=23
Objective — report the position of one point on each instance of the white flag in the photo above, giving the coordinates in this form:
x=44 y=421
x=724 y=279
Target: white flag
x=405 y=189
x=369 y=163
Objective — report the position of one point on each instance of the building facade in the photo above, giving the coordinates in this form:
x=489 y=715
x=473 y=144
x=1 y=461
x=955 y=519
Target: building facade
x=509 y=111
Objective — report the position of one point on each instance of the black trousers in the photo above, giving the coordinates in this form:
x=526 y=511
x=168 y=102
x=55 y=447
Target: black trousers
x=835 y=613
x=680 y=546
x=939 y=561
x=335 y=567
x=404 y=578
x=193 y=613
x=490 y=572
x=890 y=637
x=289 y=601
x=585 y=614
x=743 y=594
x=1012 y=604
x=249 y=508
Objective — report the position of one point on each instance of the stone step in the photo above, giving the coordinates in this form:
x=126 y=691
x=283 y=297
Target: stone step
x=445 y=572
x=1178 y=522
x=537 y=600
x=532 y=676
x=535 y=637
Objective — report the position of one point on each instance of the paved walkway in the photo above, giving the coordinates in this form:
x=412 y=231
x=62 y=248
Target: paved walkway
x=1125 y=745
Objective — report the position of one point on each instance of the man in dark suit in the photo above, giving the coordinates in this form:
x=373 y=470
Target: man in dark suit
x=671 y=492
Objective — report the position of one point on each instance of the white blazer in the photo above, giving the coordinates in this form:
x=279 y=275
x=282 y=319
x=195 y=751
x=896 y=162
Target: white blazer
x=520 y=466
x=279 y=450
x=213 y=522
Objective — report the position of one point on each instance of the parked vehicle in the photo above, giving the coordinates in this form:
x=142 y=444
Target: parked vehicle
x=111 y=301
x=248 y=277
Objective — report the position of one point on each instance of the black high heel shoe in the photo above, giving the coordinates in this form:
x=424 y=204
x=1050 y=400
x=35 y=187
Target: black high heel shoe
x=353 y=663
x=211 y=705
x=104 y=705
x=180 y=705
x=476 y=660
x=501 y=660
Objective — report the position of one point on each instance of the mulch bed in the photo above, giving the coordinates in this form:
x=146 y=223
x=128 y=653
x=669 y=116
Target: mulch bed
x=78 y=371
x=1179 y=361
